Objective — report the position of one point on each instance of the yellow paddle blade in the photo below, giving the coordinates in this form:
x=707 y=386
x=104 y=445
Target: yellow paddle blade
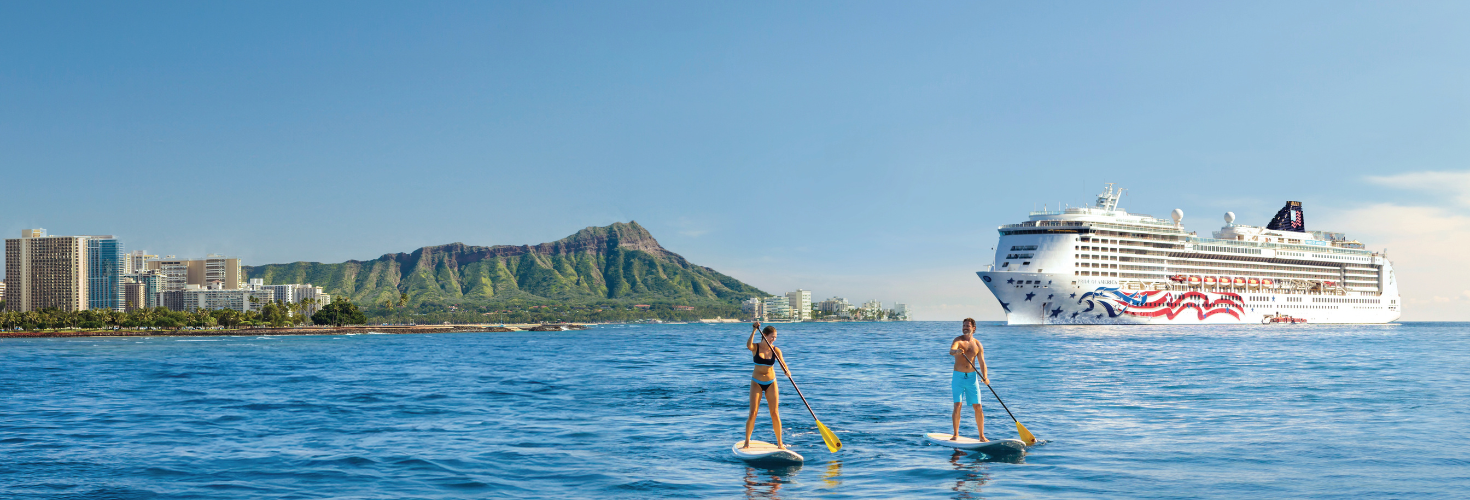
x=1025 y=434
x=833 y=444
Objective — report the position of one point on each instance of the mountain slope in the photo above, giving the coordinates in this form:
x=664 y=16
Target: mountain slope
x=621 y=262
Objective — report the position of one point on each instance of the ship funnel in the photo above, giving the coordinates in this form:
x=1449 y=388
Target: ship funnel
x=1290 y=218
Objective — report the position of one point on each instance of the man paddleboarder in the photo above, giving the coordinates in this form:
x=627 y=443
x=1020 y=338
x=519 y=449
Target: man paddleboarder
x=964 y=383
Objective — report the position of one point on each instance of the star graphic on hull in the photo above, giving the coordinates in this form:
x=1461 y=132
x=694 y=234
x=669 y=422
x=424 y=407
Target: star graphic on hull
x=1099 y=316
x=1073 y=296
x=1010 y=281
x=1055 y=312
x=1006 y=306
x=1074 y=315
x=1048 y=296
x=1029 y=295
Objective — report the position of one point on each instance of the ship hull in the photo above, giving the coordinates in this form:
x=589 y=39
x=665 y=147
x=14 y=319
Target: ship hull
x=1063 y=299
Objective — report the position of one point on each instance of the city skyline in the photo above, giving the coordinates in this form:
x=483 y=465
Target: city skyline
x=347 y=131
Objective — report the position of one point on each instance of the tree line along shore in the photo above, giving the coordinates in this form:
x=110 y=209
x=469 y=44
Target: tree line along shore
x=271 y=319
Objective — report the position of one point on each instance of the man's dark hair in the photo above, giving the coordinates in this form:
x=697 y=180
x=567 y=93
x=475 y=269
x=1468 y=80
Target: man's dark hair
x=969 y=321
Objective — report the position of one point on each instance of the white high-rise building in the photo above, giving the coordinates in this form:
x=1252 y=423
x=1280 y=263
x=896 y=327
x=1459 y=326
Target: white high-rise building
x=137 y=261
x=800 y=302
x=315 y=294
x=216 y=297
x=777 y=308
x=834 y=305
x=752 y=307
x=902 y=312
x=873 y=310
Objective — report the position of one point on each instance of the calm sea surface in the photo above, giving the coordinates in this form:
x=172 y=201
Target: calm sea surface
x=651 y=411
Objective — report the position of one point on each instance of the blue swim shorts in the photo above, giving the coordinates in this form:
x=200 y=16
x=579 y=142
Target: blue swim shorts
x=964 y=386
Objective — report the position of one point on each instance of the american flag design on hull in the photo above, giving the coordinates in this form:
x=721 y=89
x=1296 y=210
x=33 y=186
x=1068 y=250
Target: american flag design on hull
x=1113 y=304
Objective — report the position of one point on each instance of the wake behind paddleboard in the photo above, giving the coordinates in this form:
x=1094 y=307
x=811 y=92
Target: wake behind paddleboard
x=761 y=451
x=992 y=447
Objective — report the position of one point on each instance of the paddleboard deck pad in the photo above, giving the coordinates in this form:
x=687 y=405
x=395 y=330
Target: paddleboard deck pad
x=761 y=451
x=992 y=447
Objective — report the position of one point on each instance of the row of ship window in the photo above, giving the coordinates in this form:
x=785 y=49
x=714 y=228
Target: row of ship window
x=1348 y=301
x=1296 y=306
x=1212 y=247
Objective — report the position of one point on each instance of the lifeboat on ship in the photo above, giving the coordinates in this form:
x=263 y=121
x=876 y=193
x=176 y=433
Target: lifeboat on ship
x=1239 y=281
x=1329 y=283
x=1194 y=280
x=1224 y=281
x=1266 y=282
x=1209 y=280
x=1177 y=277
x=1253 y=282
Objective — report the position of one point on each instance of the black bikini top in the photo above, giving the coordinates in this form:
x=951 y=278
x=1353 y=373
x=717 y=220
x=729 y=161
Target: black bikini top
x=771 y=361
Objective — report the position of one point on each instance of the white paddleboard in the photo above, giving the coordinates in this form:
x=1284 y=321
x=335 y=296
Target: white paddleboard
x=761 y=451
x=992 y=447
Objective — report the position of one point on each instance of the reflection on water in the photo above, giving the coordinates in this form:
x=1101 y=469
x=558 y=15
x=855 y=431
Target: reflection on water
x=973 y=475
x=833 y=474
x=766 y=483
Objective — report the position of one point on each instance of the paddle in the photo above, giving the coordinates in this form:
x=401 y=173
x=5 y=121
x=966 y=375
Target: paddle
x=833 y=444
x=1020 y=429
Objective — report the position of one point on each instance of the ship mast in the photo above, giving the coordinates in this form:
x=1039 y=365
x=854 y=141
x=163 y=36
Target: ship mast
x=1108 y=199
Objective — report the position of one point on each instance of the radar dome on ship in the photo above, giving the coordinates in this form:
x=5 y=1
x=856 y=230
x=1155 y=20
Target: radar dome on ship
x=1178 y=215
x=1229 y=217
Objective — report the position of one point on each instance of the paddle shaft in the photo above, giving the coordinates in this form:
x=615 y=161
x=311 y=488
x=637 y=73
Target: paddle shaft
x=987 y=386
x=787 y=370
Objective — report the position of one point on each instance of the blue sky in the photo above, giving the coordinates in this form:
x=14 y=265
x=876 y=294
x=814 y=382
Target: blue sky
x=859 y=149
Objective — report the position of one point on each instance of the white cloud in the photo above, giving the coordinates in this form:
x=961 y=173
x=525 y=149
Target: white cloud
x=1427 y=244
x=1454 y=184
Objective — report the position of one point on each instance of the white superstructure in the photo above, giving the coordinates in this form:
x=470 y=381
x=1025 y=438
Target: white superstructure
x=1103 y=265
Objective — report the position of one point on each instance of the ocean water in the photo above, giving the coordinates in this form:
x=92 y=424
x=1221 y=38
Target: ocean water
x=650 y=411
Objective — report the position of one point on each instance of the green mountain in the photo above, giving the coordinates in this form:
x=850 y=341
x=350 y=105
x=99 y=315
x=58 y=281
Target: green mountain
x=621 y=262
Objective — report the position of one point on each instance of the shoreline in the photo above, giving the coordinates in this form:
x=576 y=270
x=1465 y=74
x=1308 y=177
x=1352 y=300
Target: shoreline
x=392 y=329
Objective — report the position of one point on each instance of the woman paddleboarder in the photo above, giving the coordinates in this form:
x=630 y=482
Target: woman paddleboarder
x=763 y=381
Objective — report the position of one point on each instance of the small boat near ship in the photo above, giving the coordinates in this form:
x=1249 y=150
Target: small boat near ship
x=1276 y=319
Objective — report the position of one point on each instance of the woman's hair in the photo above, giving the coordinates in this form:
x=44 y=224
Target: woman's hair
x=769 y=330
x=969 y=321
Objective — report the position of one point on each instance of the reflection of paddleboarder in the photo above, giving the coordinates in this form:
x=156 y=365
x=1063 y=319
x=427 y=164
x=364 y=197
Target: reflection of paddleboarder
x=763 y=381
x=964 y=385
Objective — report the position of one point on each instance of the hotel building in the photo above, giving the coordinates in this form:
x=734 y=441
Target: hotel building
x=800 y=303
x=106 y=264
x=178 y=273
x=46 y=271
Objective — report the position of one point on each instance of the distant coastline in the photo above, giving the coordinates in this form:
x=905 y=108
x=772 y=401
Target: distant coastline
x=323 y=330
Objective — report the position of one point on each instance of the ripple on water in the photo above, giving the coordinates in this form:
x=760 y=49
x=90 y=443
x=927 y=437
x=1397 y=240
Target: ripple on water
x=651 y=410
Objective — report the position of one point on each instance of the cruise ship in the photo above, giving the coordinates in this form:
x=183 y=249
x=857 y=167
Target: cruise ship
x=1101 y=265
